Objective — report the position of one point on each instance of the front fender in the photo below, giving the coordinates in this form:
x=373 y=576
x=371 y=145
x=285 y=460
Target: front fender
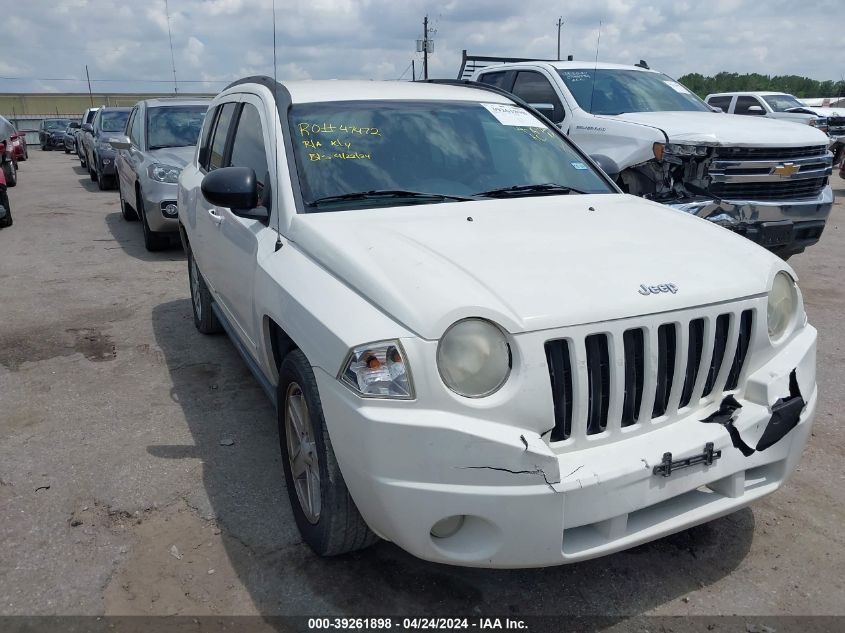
x=324 y=317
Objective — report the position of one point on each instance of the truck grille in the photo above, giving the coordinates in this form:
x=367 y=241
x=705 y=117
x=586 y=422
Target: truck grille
x=769 y=153
x=770 y=190
x=764 y=173
x=656 y=373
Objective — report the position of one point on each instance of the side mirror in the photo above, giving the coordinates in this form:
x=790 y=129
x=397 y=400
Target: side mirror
x=120 y=142
x=87 y=127
x=547 y=110
x=758 y=110
x=718 y=109
x=235 y=188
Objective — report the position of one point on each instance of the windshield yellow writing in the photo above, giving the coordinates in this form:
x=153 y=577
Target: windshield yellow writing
x=313 y=129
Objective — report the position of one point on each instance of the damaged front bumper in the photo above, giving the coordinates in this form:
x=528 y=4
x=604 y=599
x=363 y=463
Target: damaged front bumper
x=524 y=503
x=785 y=227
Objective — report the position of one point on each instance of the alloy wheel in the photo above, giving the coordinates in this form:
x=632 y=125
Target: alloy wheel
x=302 y=453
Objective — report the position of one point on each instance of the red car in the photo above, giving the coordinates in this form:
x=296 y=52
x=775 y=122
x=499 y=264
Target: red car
x=7 y=157
x=5 y=209
x=19 y=151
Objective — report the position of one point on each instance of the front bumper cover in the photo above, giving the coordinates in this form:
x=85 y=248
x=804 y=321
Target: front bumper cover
x=780 y=226
x=527 y=504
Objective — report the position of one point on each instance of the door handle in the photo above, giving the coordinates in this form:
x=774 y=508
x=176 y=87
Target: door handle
x=215 y=217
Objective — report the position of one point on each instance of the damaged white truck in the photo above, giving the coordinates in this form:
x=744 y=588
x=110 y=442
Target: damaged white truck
x=479 y=348
x=764 y=179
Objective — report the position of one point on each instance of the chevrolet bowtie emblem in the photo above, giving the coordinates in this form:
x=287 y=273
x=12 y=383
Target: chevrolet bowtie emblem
x=786 y=170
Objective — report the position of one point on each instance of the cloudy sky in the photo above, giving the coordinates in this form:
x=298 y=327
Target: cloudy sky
x=48 y=43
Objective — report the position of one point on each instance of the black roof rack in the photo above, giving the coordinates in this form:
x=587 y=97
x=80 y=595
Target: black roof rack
x=471 y=63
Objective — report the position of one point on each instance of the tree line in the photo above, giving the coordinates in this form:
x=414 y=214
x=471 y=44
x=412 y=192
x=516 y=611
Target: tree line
x=790 y=84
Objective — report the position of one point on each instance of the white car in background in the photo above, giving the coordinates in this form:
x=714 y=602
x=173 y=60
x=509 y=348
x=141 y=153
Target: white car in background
x=478 y=347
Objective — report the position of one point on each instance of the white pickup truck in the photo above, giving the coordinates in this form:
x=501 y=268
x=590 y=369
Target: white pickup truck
x=764 y=179
x=479 y=348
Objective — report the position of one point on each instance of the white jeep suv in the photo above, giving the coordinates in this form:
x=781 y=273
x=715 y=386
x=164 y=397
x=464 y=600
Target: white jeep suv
x=478 y=347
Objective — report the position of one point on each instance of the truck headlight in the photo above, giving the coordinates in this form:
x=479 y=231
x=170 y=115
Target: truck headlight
x=164 y=173
x=378 y=370
x=677 y=149
x=474 y=358
x=782 y=305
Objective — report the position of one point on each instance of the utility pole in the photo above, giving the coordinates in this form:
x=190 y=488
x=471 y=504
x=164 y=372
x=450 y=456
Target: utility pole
x=413 y=70
x=172 y=58
x=425 y=46
x=88 y=77
x=560 y=23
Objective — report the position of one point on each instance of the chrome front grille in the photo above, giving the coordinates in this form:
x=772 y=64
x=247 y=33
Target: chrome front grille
x=603 y=382
x=762 y=173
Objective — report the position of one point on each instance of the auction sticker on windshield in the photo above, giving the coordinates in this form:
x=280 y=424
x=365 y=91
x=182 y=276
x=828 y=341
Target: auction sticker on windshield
x=512 y=115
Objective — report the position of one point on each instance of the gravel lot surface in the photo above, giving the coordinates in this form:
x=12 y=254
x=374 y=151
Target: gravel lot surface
x=118 y=497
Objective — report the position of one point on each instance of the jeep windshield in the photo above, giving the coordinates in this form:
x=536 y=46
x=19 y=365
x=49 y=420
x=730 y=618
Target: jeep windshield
x=174 y=126
x=364 y=154
x=113 y=121
x=616 y=91
x=56 y=124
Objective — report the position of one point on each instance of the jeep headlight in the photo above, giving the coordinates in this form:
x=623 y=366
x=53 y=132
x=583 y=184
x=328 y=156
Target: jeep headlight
x=164 y=173
x=782 y=306
x=104 y=146
x=378 y=370
x=474 y=358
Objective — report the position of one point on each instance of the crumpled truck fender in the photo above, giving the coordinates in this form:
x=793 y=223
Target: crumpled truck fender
x=625 y=143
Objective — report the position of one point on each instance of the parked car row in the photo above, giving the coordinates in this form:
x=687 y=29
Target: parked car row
x=140 y=151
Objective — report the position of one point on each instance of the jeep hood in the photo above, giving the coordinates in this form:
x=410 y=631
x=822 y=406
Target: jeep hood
x=727 y=130
x=531 y=263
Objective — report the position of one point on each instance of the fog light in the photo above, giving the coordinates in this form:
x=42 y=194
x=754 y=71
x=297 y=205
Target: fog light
x=445 y=528
x=169 y=210
x=106 y=161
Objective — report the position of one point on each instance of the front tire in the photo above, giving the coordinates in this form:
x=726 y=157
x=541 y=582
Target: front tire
x=204 y=318
x=153 y=240
x=127 y=212
x=325 y=513
x=10 y=171
x=7 y=221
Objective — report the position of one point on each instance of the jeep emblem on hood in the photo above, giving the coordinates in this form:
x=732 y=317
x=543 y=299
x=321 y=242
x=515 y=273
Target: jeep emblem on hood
x=656 y=290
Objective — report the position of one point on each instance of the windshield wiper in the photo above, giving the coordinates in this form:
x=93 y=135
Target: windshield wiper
x=388 y=193
x=548 y=188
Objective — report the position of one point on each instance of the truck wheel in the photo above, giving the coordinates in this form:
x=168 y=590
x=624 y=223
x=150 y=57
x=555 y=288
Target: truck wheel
x=92 y=170
x=4 y=200
x=325 y=513
x=127 y=212
x=10 y=171
x=204 y=317
x=67 y=151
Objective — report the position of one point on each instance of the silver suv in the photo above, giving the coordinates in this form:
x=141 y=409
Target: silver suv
x=161 y=135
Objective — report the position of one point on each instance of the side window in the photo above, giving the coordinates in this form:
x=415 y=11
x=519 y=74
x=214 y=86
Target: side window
x=720 y=102
x=534 y=88
x=205 y=136
x=248 y=149
x=135 y=127
x=498 y=79
x=221 y=133
x=744 y=103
